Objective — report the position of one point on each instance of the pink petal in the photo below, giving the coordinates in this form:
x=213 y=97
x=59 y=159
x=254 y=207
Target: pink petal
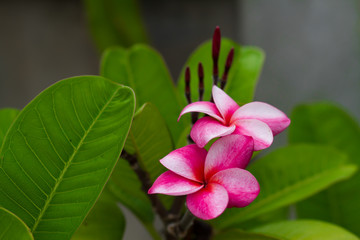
x=208 y=108
x=172 y=184
x=241 y=186
x=208 y=128
x=226 y=105
x=209 y=202
x=258 y=130
x=233 y=151
x=273 y=117
x=187 y=162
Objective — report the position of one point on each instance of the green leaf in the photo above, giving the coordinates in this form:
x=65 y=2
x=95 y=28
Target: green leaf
x=277 y=215
x=288 y=175
x=236 y=234
x=305 y=230
x=243 y=75
x=143 y=69
x=12 y=227
x=149 y=139
x=105 y=221
x=325 y=123
x=61 y=150
x=126 y=187
x=130 y=194
x=7 y=116
x=115 y=22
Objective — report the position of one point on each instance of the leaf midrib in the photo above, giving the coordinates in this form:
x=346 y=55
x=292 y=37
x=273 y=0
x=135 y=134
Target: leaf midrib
x=47 y=203
x=282 y=192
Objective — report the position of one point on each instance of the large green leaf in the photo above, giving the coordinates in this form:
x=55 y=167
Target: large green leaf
x=149 y=139
x=61 y=150
x=328 y=124
x=236 y=234
x=288 y=175
x=115 y=22
x=105 y=221
x=12 y=227
x=7 y=116
x=243 y=75
x=305 y=230
x=144 y=70
x=280 y=214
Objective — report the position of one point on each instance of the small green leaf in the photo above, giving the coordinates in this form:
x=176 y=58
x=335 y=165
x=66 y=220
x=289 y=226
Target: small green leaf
x=144 y=70
x=7 y=116
x=243 y=75
x=115 y=22
x=236 y=234
x=105 y=221
x=61 y=150
x=288 y=175
x=12 y=227
x=325 y=123
x=305 y=230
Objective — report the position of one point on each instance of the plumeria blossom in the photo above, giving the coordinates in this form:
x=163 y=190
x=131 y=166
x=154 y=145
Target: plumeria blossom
x=212 y=181
x=258 y=120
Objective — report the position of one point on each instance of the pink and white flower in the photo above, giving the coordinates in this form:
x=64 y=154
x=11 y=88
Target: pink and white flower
x=212 y=181
x=258 y=120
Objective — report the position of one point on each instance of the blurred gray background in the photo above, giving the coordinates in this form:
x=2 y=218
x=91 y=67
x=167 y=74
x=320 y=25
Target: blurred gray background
x=312 y=47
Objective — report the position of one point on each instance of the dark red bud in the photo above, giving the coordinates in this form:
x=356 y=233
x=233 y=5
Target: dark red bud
x=215 y=53
x=216 y=43
x=229 y=58
x=187 y=85
x=228 y=64
x=201 y=81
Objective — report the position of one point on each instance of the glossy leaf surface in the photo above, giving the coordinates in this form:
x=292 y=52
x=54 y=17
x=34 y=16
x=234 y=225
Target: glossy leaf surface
x=325 y=123
x=288 y=175
x=144 y=70
x=243 y=75
x=305 y=230
x=7 y=116
x=12 y=227
x=61 y=150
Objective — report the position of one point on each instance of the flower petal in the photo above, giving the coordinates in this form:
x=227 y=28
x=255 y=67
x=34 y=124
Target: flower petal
x=208 y=108
x=225 y=104
x=209 y=202
x=273 y=117
x=187 y=162
x=233 y=151
x=241 y=186
x=170 y=183
x=258 y=130
x=208 y=128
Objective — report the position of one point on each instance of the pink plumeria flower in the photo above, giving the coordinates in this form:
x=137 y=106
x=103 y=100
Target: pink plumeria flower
x=258 y=120
x=212 y=181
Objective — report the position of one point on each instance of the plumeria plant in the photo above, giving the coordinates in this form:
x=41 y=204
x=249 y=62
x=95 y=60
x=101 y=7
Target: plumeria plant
x=89 y=144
